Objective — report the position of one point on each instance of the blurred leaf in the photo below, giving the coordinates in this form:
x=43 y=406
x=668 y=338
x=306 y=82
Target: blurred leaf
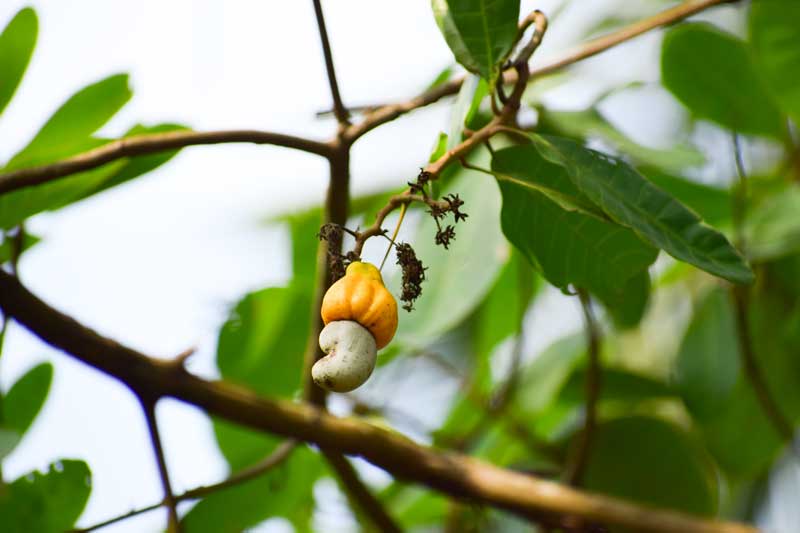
x=651 y=461
x=711 y=203
x=17 y=206
x=28 y=240
x=775 y=38
x=480 y=33
x=731 y=93
x=627 y=303
x=285 y=491
x=590 y=123
x=707 y=366
x=568 y=247
x=16 y=47
x=542 y=379
x=304 y=229
x=772 y=229
x=68 y=131
x=261 y=344
x=26 y=397
x=472 y=92
x=413 y=506
x=629 y=199
x=442 y=77
x=142 y=164
x=618 y=385
x=46 y=503
x=8 y=441
x=458 y=278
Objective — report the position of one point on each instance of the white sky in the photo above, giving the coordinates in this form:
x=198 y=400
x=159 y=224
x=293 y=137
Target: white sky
x=156 y=263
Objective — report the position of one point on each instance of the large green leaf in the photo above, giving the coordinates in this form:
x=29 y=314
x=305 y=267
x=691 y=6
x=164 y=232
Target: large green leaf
x=284 y=491
x=458 y=278
x=629 y=199
x=713 y=204
x=413 y=506
x=8 y=441
x=773 y=228
x=26 y=397
x=713 y=74
x=467 y=103
x=46 y=503
x=543 y=379
x=617 y=386
x=16 y=47
x=481 y=33
x=569 y=247
x=69 y=129
x=628 y=302
x=651 y=461
x=707 y=367
x=261 y=344
x=775 y=38
x=27 y=242
x=590 y=123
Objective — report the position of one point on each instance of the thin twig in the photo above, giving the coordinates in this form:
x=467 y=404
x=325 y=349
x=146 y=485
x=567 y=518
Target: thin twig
x=338 y=106
x=574 y=473
x=740 y=195
x=173 y=522
x=277 y=457
x=151 y=143
x=389 y=112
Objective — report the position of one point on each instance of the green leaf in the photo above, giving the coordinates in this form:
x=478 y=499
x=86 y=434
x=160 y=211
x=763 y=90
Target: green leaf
x=712 y=204
x=26 y=397
x=713 y=74
x=16 y=47
x=542 y=380
x=480 y=33
x=775 y=38
x=651 y=461
x=590 y=123
x=629 y=199
x=285 y=491
x=707 y=366
x=772 y=229
x=628 y=303
x=17 y=206
x=469 y=98
x=458 y=278
x=5 y=247
x=618 y=386
x=46 y=503
x=8 y=441
x=304 y=228
x=68 y=130
x=567 y=246
x=413 y=506
x=442 y=77
x=261 y=344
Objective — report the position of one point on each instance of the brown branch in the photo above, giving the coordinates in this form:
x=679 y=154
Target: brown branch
x=338 y=106
x=389 y=112
x=577 y=467
x=453 y=474
x=277 y=457
x=149 y=408
x=362 y=499
x=148 y=144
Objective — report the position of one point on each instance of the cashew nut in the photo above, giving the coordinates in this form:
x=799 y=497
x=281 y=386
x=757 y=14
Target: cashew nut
x=351 y=356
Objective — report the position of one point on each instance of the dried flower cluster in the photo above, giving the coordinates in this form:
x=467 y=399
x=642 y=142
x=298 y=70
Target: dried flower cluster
x=438 y=210
x=333 y=233
x=413 y=274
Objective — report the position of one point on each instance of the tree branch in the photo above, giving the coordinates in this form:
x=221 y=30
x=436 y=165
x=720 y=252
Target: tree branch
x=386 y=113
x=148 y=144
x=277 y=457
x=339 y=109
x=149 y=408
x=577 y=467
x=453 y=474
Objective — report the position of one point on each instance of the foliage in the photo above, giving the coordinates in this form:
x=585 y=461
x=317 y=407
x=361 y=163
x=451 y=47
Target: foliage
x=573 y=203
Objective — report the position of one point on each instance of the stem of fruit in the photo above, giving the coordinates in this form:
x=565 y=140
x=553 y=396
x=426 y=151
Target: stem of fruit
x=403 y=209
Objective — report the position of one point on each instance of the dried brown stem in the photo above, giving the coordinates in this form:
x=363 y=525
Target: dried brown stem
x=339 y=110
x=277 y=457
x=148 y=144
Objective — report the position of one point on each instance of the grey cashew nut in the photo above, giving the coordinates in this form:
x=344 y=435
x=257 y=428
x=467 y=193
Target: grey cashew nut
x=351 y=356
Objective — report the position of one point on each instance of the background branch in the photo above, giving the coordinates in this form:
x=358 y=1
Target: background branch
x=453 y=474
x=338 y=106
x=148 y=144
x=149 y=408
